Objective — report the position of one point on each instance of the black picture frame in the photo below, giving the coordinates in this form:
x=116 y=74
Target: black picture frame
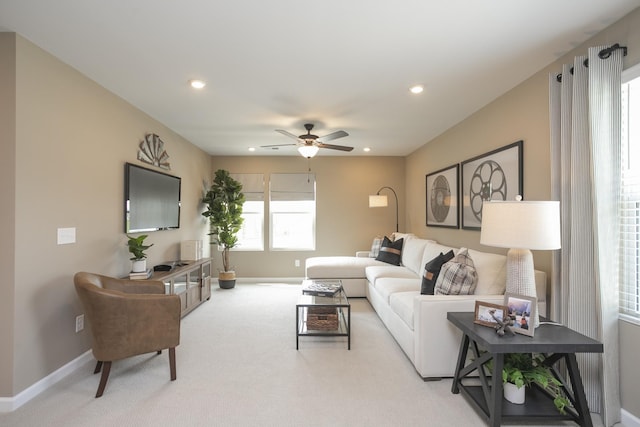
x=496 y=175
x=443 y=198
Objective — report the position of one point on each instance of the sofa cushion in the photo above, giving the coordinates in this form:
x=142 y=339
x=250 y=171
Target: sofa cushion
x=375 y=272
x=402 y=304
x=386 y=286
x=433 y=249
x=390 y=252
x=338 y=267
x=412 y=253
x=432 y=271
x=492 y=272
x=458 y=276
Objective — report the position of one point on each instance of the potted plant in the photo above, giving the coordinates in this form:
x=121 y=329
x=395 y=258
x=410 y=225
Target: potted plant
x=224 y=201
x=525 y=369
x=137 y=247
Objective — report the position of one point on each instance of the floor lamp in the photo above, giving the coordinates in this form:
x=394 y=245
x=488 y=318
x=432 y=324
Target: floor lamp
x=521 y=226
x=379 y=201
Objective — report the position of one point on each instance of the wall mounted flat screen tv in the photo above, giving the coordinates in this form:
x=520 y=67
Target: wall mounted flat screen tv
x=152 y=200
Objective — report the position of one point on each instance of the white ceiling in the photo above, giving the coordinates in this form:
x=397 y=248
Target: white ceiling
x=340 y=64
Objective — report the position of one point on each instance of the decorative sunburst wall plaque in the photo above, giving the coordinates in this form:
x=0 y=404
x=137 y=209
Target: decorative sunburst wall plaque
x=152 y=151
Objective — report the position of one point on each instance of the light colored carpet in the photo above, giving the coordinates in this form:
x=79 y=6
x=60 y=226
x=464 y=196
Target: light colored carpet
x=237 y=365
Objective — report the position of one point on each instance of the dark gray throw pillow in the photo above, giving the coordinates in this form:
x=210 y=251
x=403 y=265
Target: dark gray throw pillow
x=390 y=252
x=431 y=272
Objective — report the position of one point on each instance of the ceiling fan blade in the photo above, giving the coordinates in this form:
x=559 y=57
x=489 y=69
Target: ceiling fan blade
x=276 y=145
x=289 y=134
x=335 y=147
x=331 y=136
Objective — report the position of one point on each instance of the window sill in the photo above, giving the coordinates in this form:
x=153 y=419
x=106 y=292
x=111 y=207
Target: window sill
x=629 y=319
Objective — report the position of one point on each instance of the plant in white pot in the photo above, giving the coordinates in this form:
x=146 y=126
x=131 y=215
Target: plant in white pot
x=224 y=201
x=137 y=247
x=521 y=370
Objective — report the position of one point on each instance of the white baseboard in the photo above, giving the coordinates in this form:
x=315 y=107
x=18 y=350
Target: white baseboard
x=8 y=404
x=628 y=419
x=292 y=280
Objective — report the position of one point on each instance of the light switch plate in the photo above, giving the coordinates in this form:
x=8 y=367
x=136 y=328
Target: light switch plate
x=66 y=235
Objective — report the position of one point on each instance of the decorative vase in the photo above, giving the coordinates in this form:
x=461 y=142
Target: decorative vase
x=513 y=394
x=139 y=265
x=227 y=279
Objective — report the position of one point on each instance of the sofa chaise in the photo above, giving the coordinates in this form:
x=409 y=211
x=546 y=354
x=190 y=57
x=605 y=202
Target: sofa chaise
x=418 y=322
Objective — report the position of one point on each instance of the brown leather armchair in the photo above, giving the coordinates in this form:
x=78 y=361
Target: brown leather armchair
x=128 y=318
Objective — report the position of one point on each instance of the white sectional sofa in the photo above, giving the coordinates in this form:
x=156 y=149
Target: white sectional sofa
x=418 y=322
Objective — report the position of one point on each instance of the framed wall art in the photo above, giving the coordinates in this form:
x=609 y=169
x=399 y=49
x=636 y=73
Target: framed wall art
x=496 y=175
x=443 y=198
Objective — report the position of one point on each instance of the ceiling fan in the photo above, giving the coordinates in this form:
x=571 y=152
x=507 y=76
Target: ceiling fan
x=309 y=144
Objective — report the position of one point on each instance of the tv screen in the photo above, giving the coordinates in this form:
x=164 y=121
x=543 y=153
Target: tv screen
x=152 y=200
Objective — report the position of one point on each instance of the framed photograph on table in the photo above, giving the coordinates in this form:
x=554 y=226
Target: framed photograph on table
x=522 y=309
x=443 y=198
x=488 y=314
x=496 y=175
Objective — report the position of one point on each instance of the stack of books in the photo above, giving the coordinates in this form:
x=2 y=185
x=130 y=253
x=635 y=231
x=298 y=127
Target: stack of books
x=322 y=288
x=141 y=275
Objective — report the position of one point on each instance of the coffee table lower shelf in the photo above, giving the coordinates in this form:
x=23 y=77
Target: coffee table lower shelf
x=343 y=329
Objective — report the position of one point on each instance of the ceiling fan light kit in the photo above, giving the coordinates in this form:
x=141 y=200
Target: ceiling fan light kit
x=309 y=144
x=308 y=151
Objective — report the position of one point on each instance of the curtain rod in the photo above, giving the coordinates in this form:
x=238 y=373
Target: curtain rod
x=603 y=54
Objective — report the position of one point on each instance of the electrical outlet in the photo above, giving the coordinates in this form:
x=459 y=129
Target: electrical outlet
x=297 y=263
x=79 y=323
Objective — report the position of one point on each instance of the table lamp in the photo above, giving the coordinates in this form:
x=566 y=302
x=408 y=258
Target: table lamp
x=521 y=226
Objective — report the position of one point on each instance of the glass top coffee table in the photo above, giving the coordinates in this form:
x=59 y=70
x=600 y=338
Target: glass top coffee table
x=327 y=316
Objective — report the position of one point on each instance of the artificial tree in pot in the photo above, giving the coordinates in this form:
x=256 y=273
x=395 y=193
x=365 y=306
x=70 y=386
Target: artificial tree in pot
x=224 y=201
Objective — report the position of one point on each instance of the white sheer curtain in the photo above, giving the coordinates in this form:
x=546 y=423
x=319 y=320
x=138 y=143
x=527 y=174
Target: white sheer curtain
x=585 y=163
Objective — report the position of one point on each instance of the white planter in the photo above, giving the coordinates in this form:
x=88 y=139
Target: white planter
x=513 y=394
x=139 y=266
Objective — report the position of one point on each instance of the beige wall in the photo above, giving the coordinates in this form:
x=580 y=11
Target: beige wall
x=522 y=113
x=345 y=223
x=7 y=211
x=72 y=140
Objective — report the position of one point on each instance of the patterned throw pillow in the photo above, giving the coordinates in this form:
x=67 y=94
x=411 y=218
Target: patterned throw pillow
x=390 y=252
x=375 y=247
x=432 y=271
x=458 y=276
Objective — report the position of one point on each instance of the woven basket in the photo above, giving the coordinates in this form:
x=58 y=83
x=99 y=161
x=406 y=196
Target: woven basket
x=322 y=318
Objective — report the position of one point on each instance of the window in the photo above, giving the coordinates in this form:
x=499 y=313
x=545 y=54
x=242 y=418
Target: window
x=292 y=211
x=630 y=197
x=251 y=235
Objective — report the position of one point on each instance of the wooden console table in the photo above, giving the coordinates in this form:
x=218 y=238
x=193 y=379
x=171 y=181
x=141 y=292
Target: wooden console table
x=190 y=280
x=555 y=342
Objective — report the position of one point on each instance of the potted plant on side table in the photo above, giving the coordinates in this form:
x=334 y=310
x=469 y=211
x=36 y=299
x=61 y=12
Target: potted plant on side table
x=137 y=247
x=525 y=369
x=224 y=201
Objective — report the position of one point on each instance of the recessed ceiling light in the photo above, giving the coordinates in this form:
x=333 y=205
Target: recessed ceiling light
x=366 y=149
x=252 y=148
x=416 y=89
x=197 y=84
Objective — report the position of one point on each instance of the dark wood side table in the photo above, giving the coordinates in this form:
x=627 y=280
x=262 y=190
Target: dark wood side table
x=555 y=342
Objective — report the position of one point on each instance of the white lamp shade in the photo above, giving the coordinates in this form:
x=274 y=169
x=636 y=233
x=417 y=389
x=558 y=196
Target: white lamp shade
x=378 y=201
x=308 y=150
x=523 y=225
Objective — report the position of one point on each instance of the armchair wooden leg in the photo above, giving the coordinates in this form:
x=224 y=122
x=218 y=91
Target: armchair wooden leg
x=172 y=363
x=98 y=367
x=103 y=378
